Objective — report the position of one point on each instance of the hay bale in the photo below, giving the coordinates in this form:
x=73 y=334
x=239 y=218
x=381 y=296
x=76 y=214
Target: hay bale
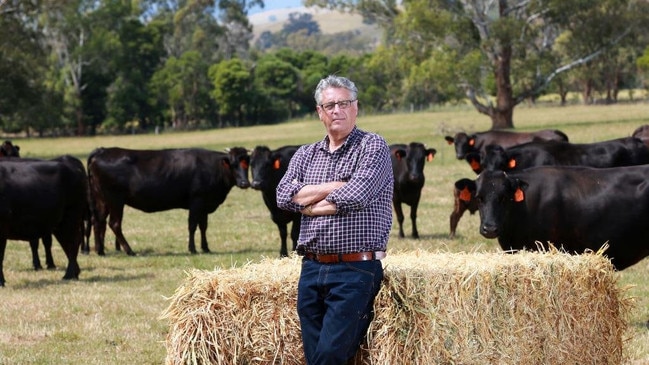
x=433 y=308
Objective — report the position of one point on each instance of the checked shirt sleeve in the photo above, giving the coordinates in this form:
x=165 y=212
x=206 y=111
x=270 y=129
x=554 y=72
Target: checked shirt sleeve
x=371 y=179
x=292 y=182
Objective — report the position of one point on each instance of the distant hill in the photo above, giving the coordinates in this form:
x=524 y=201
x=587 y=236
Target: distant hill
x=330 y=21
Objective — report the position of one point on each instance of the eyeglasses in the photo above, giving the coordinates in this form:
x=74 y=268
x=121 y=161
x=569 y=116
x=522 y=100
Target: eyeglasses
x=343 y=104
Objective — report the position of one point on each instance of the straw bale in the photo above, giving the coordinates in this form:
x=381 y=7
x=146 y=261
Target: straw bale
x=433 y=308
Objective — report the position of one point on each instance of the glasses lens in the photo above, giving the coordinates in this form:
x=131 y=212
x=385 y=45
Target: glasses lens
x=343 y=104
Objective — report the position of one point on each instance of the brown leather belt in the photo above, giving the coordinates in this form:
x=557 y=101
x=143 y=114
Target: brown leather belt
x=345 y=257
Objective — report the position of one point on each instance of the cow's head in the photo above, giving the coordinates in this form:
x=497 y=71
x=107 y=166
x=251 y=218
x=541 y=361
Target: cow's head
x=495 y=158
x=261 y=165
x=8 y=149
x=464 y=144
x=415 y=156
x=239 y=162
x=497 y=193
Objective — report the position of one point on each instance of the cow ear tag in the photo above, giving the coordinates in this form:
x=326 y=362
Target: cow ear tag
x=430 y=157
x=512 y=163
x=475 y=166
x=519 y=195
x=276 y=164
x=472 y=142
x=465 y=195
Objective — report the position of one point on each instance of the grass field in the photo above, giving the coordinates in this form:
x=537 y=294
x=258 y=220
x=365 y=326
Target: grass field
x=111 y=314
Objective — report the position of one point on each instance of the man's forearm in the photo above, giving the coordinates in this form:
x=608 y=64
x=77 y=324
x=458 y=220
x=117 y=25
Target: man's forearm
x=311 y=194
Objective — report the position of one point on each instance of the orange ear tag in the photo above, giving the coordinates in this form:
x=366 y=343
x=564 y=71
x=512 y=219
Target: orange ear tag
x=472 y=142
x=512 y=163
x=276 y=164
x=475 y=166
x=465 y=195
x=430 y=157
x=519 y=196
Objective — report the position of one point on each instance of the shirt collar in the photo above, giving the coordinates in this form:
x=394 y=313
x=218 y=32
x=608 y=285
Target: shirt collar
x=355 y=133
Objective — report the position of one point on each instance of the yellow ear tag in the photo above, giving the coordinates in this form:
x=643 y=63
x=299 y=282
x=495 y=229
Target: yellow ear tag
x=465 y=195
x=512 y=163
x=276 y=164
x=519 y=195
x=430 y=157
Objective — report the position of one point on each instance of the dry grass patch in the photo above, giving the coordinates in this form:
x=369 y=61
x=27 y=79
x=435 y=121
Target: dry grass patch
x=434 y=308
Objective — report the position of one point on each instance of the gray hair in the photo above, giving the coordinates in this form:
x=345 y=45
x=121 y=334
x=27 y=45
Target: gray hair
x=335 y=82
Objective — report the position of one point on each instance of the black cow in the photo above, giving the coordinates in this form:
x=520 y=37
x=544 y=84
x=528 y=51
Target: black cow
x=577 y=208
x=616 y=152
x=76 y=165
x=8 y=149
x=40 y=198
x=408 y=168
x=195 y=179
x=267 y=168
x=463 y=200
x=465 y=143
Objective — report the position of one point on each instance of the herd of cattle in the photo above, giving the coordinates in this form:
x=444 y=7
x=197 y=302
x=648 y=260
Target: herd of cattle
x=532 y=189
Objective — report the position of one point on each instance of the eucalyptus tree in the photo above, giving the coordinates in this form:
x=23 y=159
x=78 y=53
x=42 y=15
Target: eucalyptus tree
x=495 y=41
x=23 y=94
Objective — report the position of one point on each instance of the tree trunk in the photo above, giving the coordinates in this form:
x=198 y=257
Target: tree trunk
x=502 y=115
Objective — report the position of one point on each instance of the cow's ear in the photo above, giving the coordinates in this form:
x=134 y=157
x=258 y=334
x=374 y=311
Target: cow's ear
x=276 y=164
x=225 y=162
x=512 y=163
x=465 y=194
x=400 y=154
x=449 y=139
x=519 y=192
x=519 y=195
x=431 y=154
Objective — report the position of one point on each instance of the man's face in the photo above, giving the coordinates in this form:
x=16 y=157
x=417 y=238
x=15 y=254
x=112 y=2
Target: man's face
x=338 y=112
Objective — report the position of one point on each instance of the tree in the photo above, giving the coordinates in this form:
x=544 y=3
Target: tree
x=511 y=35
x=232 y=92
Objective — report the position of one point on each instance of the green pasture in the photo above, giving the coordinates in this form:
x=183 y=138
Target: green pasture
x=111 y=314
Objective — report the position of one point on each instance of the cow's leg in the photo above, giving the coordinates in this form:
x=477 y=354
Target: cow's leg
x=283 y=233
x=98 y=221
x=455 y=217
x=70 y=236
x=3 y=246
x=192 y=223
x=36 y=261
x=413 y=219
x=47 y=246
x=202 y=225
x=115 y=223
x=295 y=231
x=399 y=212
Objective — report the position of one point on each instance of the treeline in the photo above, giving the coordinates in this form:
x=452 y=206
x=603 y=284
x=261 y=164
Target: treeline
x=82 y=67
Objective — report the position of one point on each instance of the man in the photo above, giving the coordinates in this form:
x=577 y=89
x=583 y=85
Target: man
x=343 y=187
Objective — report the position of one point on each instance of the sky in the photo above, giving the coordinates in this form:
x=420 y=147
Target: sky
x=277 y=4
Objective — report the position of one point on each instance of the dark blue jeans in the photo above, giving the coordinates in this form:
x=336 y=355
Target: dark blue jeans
x=335 y=305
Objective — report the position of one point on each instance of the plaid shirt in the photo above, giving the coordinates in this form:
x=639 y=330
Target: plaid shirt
x=364 y=205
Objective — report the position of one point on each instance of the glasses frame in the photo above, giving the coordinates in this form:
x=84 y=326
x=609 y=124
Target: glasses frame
x=330 y=107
